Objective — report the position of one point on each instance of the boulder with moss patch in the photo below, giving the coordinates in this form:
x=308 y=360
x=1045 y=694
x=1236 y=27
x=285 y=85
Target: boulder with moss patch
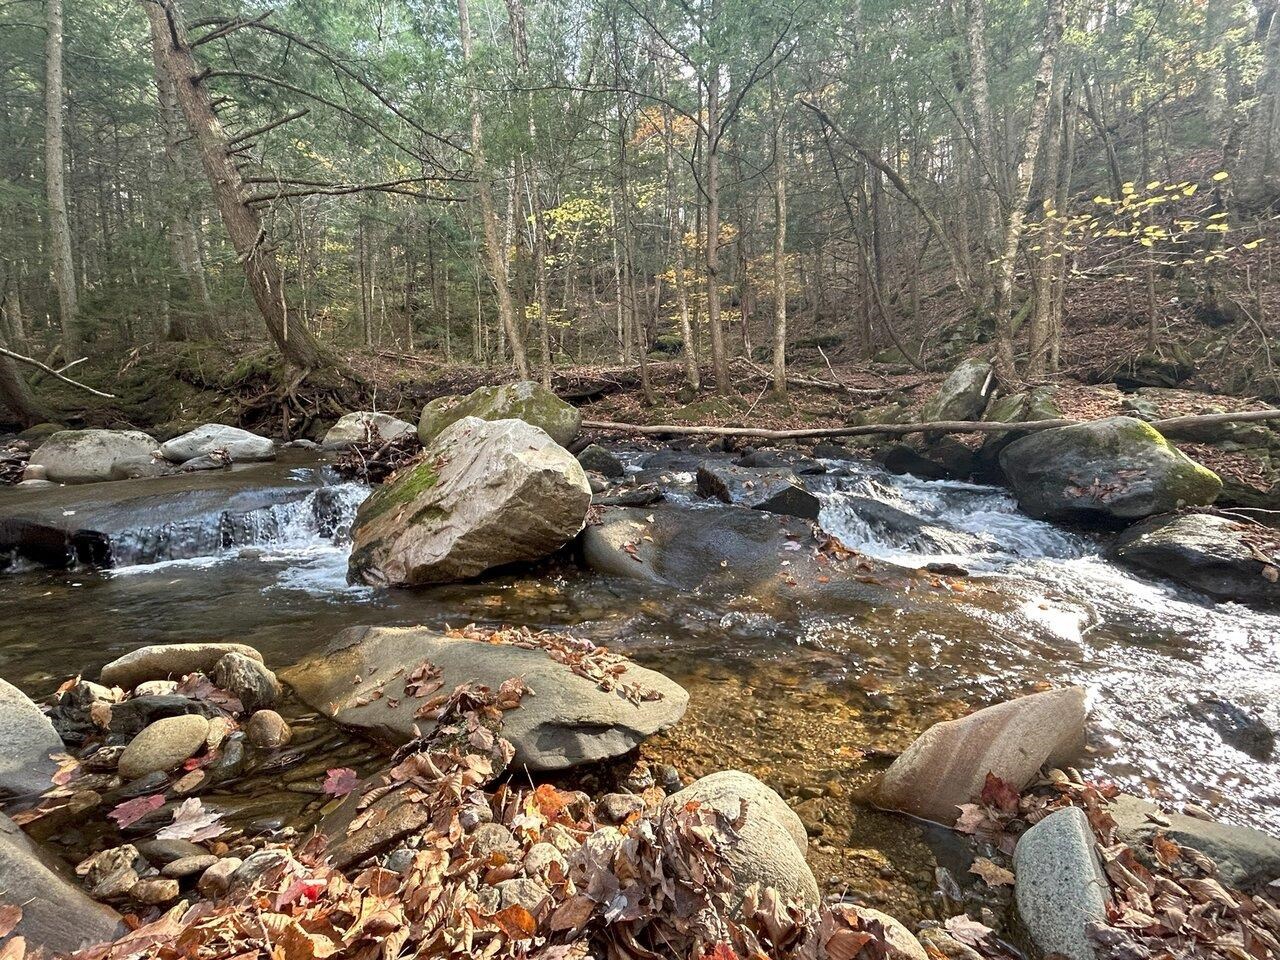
x=525 y=400
x=963 y=395
x=486 y=494
x=1111 y=470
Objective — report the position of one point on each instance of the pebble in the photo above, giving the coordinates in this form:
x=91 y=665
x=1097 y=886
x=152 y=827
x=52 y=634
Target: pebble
x=104 y=758
x=614 y=808
x=188 y=866
x=256 y=865
x=248 y=680
x=162 y=852
x=156 y=890
x=216 y=880
x=523 y=892
x=489 y=838
x=267 y=730
x=163 y=745
x=540 y=858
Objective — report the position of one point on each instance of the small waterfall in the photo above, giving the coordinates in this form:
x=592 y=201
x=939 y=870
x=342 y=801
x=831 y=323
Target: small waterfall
x=324 y=515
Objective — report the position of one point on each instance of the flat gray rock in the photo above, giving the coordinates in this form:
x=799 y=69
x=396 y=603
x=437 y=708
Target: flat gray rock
x=1059 y=884
x=57 y=915
x=27 y=738
x=565 y=719
x=1246 y=858
x=86 y=456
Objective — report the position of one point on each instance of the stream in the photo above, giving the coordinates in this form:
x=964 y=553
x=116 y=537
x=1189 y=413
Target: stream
x=815 y=702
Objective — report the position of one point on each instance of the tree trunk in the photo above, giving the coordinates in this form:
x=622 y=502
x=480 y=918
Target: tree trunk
x=494 y=248
x=711 y=184
x=1024 y=174
x=780 y=151
x=676 y=229
x=1256 y=179
x=64 y=278
x=243 y=225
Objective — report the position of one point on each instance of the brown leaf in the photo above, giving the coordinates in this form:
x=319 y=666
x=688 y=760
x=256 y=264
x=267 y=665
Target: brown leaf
x=573 y=914
x=516 y=922
x=993 y=874
x=10 y=914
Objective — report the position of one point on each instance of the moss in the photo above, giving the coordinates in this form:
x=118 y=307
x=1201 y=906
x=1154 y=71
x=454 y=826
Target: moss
x=525 y=401
x=405 y=490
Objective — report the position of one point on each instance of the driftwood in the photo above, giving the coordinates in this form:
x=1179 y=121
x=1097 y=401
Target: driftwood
x=1171 y=426
x=55 y=373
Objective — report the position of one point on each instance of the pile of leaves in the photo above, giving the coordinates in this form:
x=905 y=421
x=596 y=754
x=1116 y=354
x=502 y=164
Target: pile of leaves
x=374 y=458
x=13 y=461
x=589 y=660
x=655 y=886
x=1167 y=899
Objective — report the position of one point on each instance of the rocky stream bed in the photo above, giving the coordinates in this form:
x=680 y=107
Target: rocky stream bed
x=773 y=631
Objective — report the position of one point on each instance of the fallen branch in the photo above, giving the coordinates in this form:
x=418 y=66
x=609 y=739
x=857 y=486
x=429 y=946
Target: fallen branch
x=1173 y=425
x=800 y=380
x=54 y=373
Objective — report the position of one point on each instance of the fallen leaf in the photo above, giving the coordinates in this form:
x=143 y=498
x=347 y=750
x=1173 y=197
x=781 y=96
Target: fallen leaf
x=992 y=873
x=340 y=781
x=131 y=811
x=191 y=821
x=999 y=794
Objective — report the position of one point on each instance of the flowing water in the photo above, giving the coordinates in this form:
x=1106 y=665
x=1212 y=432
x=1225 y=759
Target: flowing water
x=814 y=702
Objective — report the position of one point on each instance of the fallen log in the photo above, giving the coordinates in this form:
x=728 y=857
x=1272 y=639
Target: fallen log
x=757 y=372
x=1170 y=426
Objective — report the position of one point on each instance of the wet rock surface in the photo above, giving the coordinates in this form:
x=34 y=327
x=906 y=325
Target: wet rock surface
x=1214 y=554
x=774 y=490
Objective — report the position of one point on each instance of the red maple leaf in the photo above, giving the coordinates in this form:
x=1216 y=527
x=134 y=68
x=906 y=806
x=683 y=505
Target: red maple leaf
x=999 y=794
x=341 y=781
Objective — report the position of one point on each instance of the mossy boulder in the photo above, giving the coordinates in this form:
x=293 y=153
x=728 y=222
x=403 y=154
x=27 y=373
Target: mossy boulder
x=486 y=494
x=1113 y=470
x=524 y=400
x=963 y=395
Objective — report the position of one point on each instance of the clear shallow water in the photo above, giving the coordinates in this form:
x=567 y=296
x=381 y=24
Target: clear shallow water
x=794 y=697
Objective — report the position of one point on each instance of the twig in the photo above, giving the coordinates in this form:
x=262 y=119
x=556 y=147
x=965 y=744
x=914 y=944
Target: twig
x=52 y=372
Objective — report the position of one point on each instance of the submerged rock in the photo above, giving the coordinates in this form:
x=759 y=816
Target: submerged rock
x=1203 y=551
x=485 y=495
x=768 y=848
x=948 y=764
x=564 y=721
x=1246 y=858
x=57 y=916
x=161 y=661
x=788 y=459
x=1238 y=727
x=775 y=490
x=27 y=740
x=361 y=426
x=1117 y=469
x=963 y=395
x=85 y=456
x=240 y=446
x=524 y=400
x=1059 y=884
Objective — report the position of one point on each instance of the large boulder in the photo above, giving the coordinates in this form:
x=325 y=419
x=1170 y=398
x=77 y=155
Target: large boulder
x=948 y=764
x=963 y=395
x=363 y=426
x=564 y=720
x=1059 y=884
x=486 y=494
x=769 y=847
x=240 y=445
x=27 y=740
x=1117 y=469
x=1246 y=858
x=162 y=661
x=85 y=456
x=1213 y=554
x=524 y=400
x=57 y=916
x=773 y=489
